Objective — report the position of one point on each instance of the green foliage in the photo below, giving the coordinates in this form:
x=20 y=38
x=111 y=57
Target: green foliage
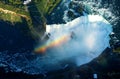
x=10 y=17
x=46 y=6
x=18 y=8
x=36 y=13
x=13 y=2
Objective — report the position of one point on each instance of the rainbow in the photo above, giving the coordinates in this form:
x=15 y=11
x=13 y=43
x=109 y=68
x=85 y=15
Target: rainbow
x=57 y=42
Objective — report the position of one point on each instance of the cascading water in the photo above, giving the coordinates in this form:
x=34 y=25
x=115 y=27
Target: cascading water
x=80 y=39
x=83 y=38
x=68 y=41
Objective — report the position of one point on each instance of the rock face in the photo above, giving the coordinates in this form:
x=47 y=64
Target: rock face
x=21 y=25
x=15 y=36
x=32 y=15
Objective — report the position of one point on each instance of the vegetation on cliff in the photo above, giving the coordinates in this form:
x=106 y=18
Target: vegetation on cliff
x=32 y=14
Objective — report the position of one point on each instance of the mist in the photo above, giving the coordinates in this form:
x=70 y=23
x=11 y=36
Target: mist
x=84 y=39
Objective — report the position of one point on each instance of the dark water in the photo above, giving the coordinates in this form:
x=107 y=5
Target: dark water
x=12 y=39
x=116 y=29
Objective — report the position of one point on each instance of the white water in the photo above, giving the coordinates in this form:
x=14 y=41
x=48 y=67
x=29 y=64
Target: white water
x=91 y=37
x=95 y=7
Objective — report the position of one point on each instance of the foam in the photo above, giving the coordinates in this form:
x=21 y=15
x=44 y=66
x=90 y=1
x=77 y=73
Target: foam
x=87 y=37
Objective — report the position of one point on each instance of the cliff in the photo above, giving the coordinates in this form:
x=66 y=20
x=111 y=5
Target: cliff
x=31 y=16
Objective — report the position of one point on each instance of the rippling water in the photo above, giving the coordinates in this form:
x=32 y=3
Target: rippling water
x=34 y=64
